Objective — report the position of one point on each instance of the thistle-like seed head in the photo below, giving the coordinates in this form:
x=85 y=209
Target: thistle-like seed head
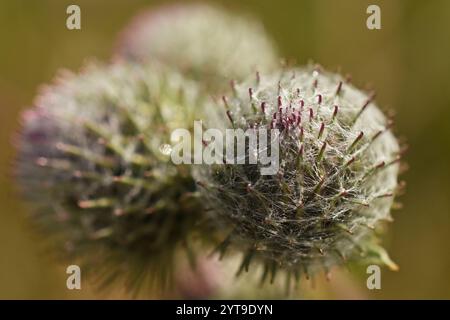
x=204 y=41
x=338 y=167
x=90 y=160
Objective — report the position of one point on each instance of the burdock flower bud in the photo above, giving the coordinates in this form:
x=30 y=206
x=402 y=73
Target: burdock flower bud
x=105 y=191
x=337 y=175
x=206 y=42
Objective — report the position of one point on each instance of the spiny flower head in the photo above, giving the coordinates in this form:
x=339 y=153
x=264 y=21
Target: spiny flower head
x=337 y=177
x=90 y=160
x=204 y=41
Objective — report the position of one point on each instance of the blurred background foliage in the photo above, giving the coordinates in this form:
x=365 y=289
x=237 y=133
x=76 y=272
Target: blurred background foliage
x=407 y=62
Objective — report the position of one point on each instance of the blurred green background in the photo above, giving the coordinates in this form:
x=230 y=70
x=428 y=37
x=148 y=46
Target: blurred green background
x=407 y=62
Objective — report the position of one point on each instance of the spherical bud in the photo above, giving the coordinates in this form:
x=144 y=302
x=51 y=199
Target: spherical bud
x=336 y=162
x=206 y=42
x=104 y=190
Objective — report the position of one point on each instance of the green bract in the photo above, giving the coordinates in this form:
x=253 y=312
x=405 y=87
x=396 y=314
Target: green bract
x=337 y=177
x=91 y=161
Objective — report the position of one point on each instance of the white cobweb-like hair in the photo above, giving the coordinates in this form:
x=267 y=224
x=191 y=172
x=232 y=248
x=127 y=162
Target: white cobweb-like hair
x=337 y=177
x=90 y=164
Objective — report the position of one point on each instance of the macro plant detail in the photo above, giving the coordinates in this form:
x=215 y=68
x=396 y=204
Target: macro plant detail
x=93 y=159
x=336 y=182
x=90 y=160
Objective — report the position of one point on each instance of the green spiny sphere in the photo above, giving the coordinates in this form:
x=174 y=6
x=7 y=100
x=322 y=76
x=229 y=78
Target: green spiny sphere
x=337 y=177
x=206 y=42
x=92 y=159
